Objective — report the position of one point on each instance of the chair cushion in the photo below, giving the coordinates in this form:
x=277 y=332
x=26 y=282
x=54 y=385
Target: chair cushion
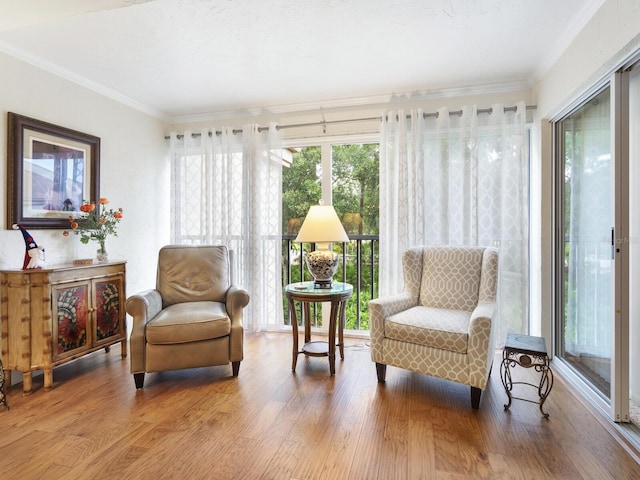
x=451 y=277
x=188 y=273
x=188 y=322
x=432 y=327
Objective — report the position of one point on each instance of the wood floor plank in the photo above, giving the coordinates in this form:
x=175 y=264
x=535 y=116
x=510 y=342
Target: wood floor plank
x=366 y=462
x=421 y=454
x=503 y=468
x=272 y=423
x=341 y=452
x=284 y=462
x=393 y=459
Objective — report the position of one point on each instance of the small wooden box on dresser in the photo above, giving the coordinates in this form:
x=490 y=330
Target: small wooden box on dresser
x=54 y=315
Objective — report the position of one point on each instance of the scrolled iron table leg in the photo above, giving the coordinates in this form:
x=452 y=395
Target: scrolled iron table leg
x=546 y=384
x=505 y=376
x=3 y=389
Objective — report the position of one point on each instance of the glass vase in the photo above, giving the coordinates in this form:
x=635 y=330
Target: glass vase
x=101 y=254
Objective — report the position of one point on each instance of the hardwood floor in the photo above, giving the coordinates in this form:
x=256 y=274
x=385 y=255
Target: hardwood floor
x=271 y=423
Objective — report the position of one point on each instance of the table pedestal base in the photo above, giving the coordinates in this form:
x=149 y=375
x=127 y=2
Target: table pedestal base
x=306 y=293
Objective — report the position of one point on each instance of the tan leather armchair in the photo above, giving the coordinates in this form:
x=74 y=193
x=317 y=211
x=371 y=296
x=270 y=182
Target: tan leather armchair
x=442 y=323
x=193 y=318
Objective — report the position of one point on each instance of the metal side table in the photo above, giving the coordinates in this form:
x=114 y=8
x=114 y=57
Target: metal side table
x=3 y=389
x=528 y=352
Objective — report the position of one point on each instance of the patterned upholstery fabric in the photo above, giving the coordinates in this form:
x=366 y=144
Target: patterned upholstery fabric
x=431 y=327
x=441 y=324
x=451 y=277
x=430 y=361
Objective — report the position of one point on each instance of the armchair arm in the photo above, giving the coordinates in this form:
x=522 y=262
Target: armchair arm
x=142 y=307
x=237 y=298
x=480 y=352
x=379 y=310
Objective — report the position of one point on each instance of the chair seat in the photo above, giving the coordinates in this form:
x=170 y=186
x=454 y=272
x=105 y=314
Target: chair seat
x=189 y=322
x=430 y=327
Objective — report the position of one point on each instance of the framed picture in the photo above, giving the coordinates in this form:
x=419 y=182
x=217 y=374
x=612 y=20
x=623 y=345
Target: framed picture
x=52 y=170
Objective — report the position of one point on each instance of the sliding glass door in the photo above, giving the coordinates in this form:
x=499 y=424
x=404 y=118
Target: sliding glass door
x=587 y=220
x=592 y=245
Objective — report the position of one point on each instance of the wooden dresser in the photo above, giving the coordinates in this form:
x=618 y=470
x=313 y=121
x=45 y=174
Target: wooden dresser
x=54 y=315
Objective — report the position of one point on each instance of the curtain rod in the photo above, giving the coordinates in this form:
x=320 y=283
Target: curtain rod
x=324 y=123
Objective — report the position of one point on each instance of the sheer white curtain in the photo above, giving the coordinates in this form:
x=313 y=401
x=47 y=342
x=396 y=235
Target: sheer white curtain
x=588 y=222
x=226 y=189
x=458 y=178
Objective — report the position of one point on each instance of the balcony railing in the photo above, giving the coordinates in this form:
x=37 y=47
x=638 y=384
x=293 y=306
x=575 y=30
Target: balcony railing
x=358 y=266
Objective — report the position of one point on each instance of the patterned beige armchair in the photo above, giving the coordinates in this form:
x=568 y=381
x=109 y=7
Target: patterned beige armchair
x=193 y=318
x=441 y=324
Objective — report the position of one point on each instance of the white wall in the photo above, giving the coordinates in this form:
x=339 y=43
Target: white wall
x=133 y=175
x=610 y=37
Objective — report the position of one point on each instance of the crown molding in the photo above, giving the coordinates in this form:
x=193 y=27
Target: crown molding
x=82 y=81
x=325 y=104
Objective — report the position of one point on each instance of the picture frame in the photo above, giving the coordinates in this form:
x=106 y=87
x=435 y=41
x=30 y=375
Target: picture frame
x=52 y=170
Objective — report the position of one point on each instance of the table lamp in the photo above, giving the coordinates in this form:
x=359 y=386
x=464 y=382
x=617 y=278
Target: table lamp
x=322 y=226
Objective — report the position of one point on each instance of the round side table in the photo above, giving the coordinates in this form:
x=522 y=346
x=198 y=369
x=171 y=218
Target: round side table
x=306 y=294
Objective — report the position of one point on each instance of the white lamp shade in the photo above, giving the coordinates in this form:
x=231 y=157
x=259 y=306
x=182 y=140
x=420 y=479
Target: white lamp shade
x=322 y=225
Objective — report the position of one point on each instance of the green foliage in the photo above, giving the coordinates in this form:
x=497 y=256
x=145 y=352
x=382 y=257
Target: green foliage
x=300 y=187
x=355 y=184
x=355 y=181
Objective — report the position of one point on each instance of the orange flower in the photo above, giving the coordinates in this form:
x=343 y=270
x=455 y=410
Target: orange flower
x=87 y=207
x=65 y=234
x=96 y=222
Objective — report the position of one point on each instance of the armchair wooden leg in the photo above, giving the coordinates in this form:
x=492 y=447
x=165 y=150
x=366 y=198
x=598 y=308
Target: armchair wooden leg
x=139 y=379
x=235 y=367
x=381 y=370
x=476 y=393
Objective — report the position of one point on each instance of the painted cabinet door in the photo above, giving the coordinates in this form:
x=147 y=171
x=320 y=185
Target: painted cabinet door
x=72 y=333
x=108 y=308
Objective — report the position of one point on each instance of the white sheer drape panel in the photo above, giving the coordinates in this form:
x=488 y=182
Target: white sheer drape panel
x=264 y=194
x=588 y=180
x=393 y=186
x=226 y=190
x=457 y=179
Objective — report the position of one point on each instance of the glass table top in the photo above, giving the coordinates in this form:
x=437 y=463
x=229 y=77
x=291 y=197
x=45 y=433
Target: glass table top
x=308 y=288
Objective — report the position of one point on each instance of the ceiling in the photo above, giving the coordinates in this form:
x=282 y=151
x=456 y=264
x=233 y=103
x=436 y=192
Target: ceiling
x=180 y=58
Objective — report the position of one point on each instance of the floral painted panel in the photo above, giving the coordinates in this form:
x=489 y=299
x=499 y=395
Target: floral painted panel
x=108 y=308
x=72 y=318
